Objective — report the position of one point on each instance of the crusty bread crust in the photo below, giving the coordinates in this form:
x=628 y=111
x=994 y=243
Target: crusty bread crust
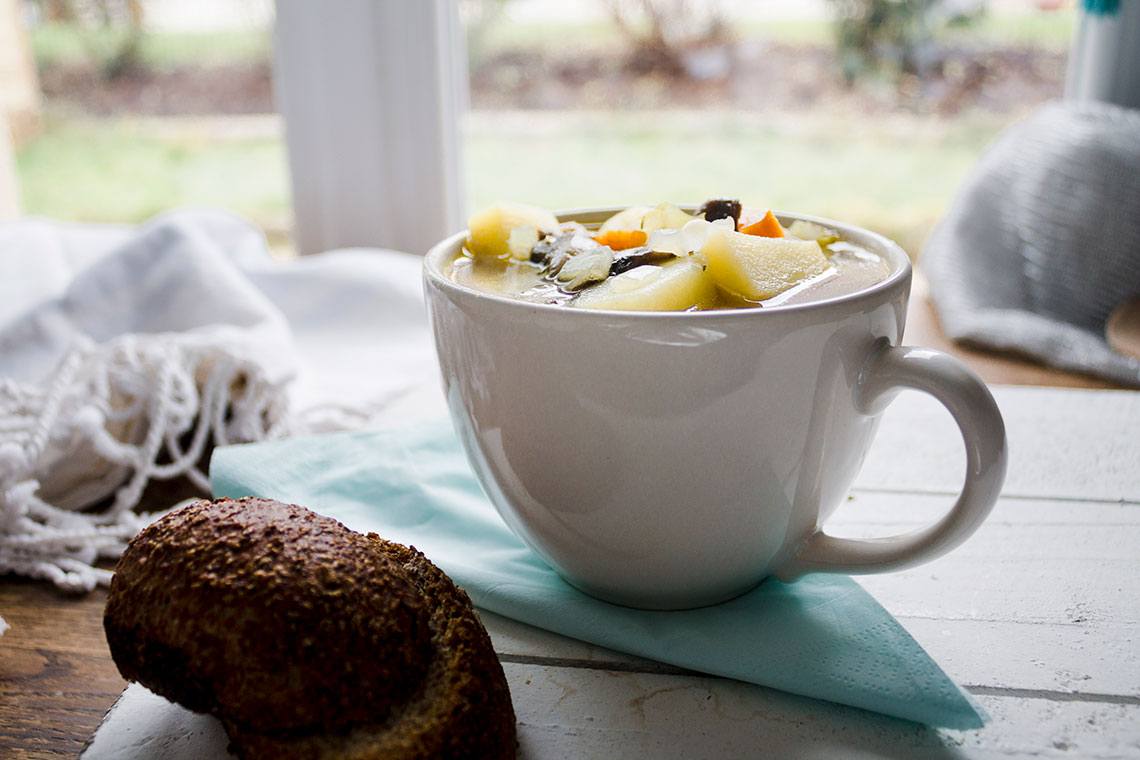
x=306 y=639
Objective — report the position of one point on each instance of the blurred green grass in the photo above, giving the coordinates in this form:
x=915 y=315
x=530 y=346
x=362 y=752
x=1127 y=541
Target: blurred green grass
x=896 y=176
x=1048 y=30
x=893 y=175
x=69 y=44
x=124 y=170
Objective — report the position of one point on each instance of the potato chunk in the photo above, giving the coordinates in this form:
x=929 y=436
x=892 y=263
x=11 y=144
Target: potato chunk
x=492 y=231
x=757 y=268
x=665 y=216
x=676 y=286
x=627 y=219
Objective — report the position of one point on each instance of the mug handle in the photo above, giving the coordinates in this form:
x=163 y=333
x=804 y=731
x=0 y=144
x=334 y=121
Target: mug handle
x=889 y=370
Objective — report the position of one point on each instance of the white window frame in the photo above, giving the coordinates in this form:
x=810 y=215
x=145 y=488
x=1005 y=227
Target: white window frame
x=1104 y=58
x=371 y=92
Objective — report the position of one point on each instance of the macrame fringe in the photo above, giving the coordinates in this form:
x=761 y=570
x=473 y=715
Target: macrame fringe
x=137 y=407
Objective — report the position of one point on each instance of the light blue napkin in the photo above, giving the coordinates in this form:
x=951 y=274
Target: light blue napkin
x=822 y=636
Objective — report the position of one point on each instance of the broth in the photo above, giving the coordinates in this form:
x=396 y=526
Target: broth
x=645 y=278
x=854 y=269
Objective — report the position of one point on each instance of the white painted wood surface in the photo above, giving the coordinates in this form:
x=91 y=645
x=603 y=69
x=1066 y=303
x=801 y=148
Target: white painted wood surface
x=1038 y=616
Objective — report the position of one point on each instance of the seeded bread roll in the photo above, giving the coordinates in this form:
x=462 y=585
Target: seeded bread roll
x=306 y=639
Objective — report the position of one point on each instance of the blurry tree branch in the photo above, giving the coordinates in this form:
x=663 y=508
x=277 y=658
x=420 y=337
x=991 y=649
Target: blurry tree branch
x=110 y=30
x=896 y=38
x=660 y=31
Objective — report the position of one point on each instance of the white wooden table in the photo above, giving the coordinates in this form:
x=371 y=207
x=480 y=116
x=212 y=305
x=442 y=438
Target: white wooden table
x=1037 y=616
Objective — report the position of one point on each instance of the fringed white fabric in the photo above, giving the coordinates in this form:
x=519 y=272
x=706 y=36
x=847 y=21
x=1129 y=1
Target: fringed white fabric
x=133 y=409
x=125 y=353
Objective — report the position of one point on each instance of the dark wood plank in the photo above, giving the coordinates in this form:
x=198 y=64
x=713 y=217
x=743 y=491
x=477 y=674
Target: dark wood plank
x=56 y=676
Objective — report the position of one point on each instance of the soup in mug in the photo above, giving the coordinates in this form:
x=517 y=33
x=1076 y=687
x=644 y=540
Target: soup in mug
x=661 y=259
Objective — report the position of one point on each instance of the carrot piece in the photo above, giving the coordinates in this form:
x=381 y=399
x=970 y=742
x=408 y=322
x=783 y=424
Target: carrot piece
x=619 y=240
x=769 y=226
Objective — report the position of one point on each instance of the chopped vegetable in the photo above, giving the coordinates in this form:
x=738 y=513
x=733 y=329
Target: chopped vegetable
x=585 y=268
x=619 y=240
x=628 y=219
x=659 y=258
x=522 y=241
x=689 y=238
x=544 y=249
x=812 y=231
x=768 y=226
x=489 y=231
x=674 y=287
x=635 y=257
x=555 y=250
x=665 y=217
x=721 y=208
x=757 y=268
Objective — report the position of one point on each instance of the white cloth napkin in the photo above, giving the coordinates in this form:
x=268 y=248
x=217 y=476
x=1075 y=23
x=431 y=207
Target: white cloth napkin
x=125 y=351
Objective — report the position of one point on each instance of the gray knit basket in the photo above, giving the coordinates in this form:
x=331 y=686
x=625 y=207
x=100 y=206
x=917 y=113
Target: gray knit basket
x=1043 y=240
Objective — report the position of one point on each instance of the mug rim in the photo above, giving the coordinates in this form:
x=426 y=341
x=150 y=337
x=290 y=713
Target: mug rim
x=877 y=243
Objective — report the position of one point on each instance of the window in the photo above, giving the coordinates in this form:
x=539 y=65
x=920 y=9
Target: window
x=143 y=106
x=875 y=121
x=152 y=104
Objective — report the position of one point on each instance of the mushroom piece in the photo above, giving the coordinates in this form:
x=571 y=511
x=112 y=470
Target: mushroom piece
x=721 y=208
x=553 y=251
x=544 y=249
x=635 y=257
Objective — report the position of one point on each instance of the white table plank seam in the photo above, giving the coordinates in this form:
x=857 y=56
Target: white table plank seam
x=976 y=689
x=1054 y=696
x=612 y=666
x=652 y=668
x=1023 y=621
x=1004 y=496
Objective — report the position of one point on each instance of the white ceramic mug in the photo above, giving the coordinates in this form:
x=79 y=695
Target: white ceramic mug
x=669 y=460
